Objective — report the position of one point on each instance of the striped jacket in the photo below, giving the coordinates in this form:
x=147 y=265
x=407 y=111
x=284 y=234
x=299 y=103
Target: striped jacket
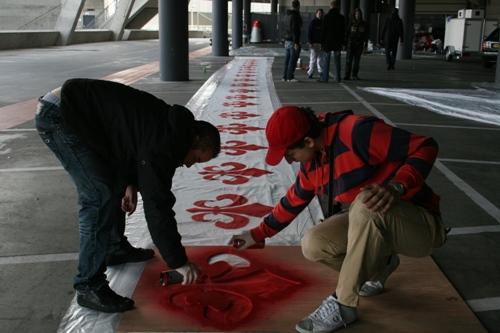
x=366 y=150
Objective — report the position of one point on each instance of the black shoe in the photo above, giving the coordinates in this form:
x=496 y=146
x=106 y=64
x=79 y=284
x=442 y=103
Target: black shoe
x=355 y=77
x=105 y=300
x=347 y=78
x=128 y=253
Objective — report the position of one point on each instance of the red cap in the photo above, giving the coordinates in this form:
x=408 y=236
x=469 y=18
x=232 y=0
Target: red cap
x=287 y=126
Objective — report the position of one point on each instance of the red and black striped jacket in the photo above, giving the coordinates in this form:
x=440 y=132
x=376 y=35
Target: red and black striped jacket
x=366 y=151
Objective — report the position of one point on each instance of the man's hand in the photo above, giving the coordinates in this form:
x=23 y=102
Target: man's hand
x=129 y=200
x=190 y=271
x=242 y=241
x=379 y=198
x=296 y=46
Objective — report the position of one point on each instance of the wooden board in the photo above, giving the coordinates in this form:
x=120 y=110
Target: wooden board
x=418 y=298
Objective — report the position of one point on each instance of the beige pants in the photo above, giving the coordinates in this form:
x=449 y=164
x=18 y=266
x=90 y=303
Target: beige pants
x=358 y=243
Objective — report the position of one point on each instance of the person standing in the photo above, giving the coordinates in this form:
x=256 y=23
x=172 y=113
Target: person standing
x=314 y=38
x=392 y=34
x=378 y=175
x=332 y=40
x=356 y=42
x=108 y=135
x=293 y=26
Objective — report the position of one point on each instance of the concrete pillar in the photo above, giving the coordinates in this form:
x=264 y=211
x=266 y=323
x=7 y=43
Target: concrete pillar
x=219 y=28
x=174 y=48
x=366 y=8
x=407 y=14
x=247 y=25
x=120 y=18
x=345 y=8
x=237 y=23
x=67 y=20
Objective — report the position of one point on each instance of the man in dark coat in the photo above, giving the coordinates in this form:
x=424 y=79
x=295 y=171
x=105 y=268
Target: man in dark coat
x=332 y=39
x=107 y=136
x=314 y=38
x=293 y=25
x=392 y=33
x=356 y=41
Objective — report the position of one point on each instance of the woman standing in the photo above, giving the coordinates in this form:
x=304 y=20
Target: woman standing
x=356 y=41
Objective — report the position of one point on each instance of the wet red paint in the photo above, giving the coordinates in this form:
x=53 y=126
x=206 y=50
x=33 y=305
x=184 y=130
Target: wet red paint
x=233 y=206
x=236 y=147
x=235 y=128
x=238 y=115
x=228 y=297
x=232 y=173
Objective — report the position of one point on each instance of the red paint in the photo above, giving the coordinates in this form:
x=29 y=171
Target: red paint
x=242 y=90
x=235 y=174
x=238 y=104
x=238 y=115
x=243 y=84
x=235 y=147
x=235 y=128
x=238 y=210
x=241 y=97
x=230 y=297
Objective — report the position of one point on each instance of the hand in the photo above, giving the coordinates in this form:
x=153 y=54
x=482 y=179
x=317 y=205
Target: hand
x=378 y=198
x=242 y=241
x=129 y=200
x=296 y=46
x=190 y=271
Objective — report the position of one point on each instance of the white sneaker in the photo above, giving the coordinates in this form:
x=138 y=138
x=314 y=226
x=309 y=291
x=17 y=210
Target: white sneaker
x=375 y=287
x=293 y=80
x=326 y=318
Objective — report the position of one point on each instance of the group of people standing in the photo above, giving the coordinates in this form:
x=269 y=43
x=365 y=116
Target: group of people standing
x=329 y=33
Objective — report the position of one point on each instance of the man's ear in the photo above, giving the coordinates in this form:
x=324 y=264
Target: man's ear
x=309 y=142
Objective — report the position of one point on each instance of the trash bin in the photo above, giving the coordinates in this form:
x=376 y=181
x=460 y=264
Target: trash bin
x=256 y=35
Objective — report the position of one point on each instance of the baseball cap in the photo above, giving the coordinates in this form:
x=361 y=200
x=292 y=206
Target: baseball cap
x=286 y=126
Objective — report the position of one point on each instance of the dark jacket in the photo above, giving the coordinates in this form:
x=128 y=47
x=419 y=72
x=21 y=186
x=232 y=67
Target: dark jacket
x=333 y=31
x=138 y=135
x=293 y=24
x=314 y=32
x=356 y=34
x=393 y=30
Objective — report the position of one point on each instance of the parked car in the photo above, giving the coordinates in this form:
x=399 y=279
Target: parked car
x=490 y=47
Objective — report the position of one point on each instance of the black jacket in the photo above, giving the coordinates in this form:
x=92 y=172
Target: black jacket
x=356 y=33
x=333 y=31
x=393 y=30
x=293 y=24
x=314 y=32
x=137 y=135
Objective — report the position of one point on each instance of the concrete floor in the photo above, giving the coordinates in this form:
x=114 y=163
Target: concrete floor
x=38 y=208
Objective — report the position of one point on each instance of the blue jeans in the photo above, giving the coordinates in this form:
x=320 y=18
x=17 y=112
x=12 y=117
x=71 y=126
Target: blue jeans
x=326 y=68
x=291 y=57
x=98 y=195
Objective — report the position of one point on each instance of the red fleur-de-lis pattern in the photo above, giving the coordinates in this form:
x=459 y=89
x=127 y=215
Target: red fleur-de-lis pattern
x=238 y=115
x=236 y=147
x=232 y=173
x=235 y=128
x=232 y=215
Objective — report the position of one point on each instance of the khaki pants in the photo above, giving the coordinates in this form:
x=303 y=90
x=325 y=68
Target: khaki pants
x=358 y=243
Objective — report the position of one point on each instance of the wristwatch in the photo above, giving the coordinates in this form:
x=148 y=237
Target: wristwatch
x=397 y=187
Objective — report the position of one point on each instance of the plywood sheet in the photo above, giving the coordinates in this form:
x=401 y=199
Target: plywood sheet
x=418 y=297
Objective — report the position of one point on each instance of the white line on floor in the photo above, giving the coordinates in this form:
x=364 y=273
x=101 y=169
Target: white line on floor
x=340 y=102
x=458 y=160
x=474 y=195
x=484 y=304
x=18 y=130
x=451 y=126
x=474 y=230
x=38 y=258
x=32 y=169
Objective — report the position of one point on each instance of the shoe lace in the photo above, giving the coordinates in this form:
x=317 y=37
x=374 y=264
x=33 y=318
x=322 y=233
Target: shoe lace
x=328 y=312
